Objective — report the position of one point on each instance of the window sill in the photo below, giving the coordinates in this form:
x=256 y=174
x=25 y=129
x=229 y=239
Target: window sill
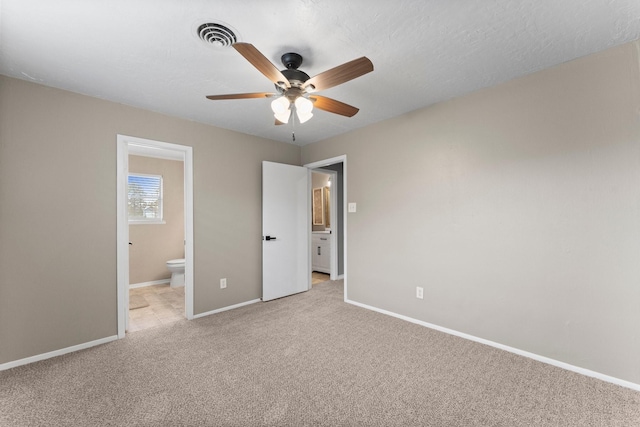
x=155 y=222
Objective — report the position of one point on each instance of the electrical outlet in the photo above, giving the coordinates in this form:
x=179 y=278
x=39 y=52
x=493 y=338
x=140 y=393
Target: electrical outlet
x=223 y=283
x=419 y=292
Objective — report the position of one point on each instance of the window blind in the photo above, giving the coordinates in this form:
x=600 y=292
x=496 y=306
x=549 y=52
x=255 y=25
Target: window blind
x=145 y=198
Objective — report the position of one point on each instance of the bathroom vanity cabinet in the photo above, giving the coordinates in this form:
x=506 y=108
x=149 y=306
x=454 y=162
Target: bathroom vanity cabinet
x=321 y=252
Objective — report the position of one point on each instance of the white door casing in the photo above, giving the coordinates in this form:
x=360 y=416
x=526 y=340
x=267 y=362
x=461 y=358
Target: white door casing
x=286 y=230
x=122 y=245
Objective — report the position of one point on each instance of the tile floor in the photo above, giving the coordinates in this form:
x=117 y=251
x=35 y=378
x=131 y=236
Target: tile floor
x=317 y=277
x=166 y=305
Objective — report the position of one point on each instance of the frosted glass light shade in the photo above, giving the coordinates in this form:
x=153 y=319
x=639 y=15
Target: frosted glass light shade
x=283 y=116
x=280 y=105
x=303 y=105
x=303 y=117
x=303 y=109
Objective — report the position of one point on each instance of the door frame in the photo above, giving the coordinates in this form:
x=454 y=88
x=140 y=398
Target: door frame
x=327 y=162
x=122 y=222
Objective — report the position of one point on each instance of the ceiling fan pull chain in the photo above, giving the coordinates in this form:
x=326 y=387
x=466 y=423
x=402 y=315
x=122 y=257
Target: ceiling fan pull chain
x=293 y=124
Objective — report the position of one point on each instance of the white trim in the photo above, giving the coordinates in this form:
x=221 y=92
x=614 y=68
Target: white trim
x=145 y=284
x=231 y=307
x=49 y=355
x=344 y=215
x=147 y=151
x=143 y=222
x=185 y=153
x=188 y=232
x=334 y=227
x=517 y=351
x=122 y=236
x=310 y=229
x=328 y=162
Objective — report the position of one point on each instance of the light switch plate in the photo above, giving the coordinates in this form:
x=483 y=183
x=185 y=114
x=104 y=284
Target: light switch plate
x=352 y=207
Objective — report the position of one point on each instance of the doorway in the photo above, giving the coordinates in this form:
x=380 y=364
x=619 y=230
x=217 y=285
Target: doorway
x=148 y=148
x=337 y=165
x=324 y=224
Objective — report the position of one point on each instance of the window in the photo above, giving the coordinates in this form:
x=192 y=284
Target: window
x=145 y=199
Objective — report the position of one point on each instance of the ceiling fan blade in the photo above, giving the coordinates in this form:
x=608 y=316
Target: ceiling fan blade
x=259 y=61
x=241 y=96
x=333 y=106
x=278 y=123
x=340 y=74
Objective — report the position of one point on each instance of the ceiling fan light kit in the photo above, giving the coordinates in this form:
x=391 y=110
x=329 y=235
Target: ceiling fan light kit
x=295 y=90
x=281 y=109
x=283 y=105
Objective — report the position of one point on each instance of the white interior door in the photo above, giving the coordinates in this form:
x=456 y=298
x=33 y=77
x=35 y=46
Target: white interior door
x=286 y=213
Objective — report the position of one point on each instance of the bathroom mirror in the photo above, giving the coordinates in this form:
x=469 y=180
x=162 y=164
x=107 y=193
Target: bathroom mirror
x=327 y=210
x=318 y=206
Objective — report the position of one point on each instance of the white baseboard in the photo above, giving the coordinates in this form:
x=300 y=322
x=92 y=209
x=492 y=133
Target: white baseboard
x=145 y=284
x=55 y=353
x=220 y=310
x=533 y=356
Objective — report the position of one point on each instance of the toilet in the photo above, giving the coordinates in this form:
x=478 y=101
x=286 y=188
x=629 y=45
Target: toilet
x=176 y=267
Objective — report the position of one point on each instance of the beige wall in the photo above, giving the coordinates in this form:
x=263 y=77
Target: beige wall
x=517 y=208
x=58 y=213
x=155 y=244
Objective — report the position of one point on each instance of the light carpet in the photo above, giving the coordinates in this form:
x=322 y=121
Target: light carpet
x=306 y=360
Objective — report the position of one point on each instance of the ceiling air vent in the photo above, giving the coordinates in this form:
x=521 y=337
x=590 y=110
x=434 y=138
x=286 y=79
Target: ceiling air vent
x=216 y=34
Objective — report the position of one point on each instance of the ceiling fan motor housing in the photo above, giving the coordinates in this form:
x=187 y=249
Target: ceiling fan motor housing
x=296 y=77
x=291 y=60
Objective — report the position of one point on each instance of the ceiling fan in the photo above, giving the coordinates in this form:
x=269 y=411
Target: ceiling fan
x=295 y=90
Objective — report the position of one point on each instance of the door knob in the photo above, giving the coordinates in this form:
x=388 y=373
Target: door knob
x=270 y=238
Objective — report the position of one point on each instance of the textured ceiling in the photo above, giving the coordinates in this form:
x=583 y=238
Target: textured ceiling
x=146 y=53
